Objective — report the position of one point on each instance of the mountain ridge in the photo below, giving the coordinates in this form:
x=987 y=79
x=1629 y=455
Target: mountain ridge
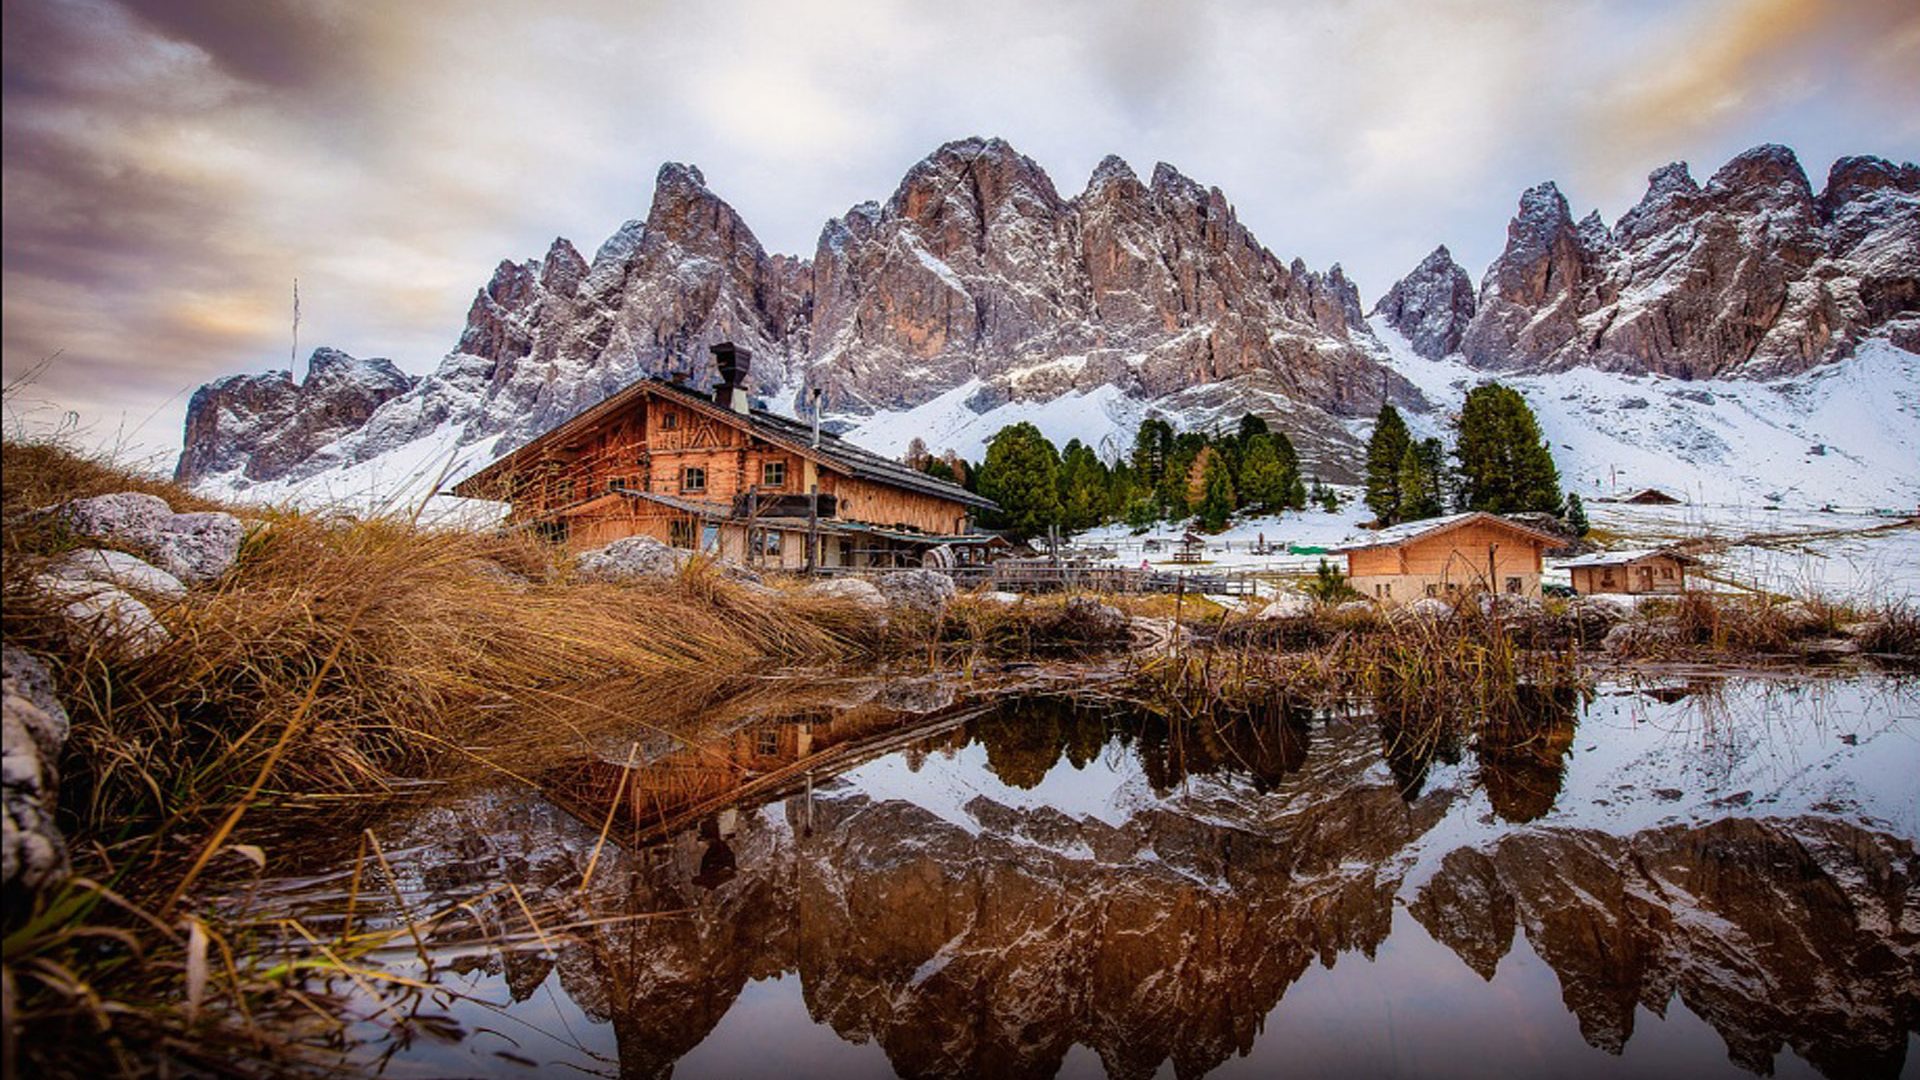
x=975 y=272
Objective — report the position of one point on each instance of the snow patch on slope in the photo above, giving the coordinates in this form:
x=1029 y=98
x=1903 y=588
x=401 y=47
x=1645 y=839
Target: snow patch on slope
x=1844 y=434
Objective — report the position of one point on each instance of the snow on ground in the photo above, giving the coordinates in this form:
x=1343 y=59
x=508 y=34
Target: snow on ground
x=1847 y=434
x=402 y=482
x=1104 y=418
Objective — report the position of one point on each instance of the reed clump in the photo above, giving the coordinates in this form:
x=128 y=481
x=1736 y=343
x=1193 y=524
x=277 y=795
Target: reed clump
x=339 y=661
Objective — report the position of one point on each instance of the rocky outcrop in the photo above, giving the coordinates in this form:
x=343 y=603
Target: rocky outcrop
x=924 y=591
x=1431 y=306
x=635 y=558
x=33 y=854
x=1752 y=275
x=975 y=270
x=193 y=547
x=264 y=425
x=978 y=269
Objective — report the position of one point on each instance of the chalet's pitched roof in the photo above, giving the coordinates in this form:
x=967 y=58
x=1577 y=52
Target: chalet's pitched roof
x=1623 y=558
x=1420 y=530
x=833 y=451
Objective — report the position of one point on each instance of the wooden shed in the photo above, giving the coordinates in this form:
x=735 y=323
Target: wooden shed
x=1447 y=556
x=1631 y=572
x=711 y=473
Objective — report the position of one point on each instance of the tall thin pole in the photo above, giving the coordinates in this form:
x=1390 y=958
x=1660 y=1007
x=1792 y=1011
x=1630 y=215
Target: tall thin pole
x=293 y=350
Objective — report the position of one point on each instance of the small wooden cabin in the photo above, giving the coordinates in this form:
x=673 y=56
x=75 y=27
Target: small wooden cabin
x=1651 y=497
x=710 y=473
x=1447 y=556
x=1630 y=572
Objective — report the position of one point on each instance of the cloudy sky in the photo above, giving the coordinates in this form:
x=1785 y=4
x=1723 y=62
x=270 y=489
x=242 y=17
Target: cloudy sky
x=170 y=167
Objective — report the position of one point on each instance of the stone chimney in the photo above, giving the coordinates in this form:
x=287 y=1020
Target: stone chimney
x=733 y=363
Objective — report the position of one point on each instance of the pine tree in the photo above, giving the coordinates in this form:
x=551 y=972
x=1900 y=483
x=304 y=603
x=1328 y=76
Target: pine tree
x=1422 y=481
x=1022 y=474
x=1216 y=501
x=1505 y=465
x=1384 y=451
x=1290 y=468
x=1577 y=514
x=1264 y=484
x=1083 y=487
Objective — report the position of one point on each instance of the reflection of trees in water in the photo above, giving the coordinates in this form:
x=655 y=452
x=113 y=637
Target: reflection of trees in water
x=1521 y=748
x=1523 y=760
x=1026 y=738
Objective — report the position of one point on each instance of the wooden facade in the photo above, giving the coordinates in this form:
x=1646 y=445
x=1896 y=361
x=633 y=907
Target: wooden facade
x=1632 y=573
x=695 y=471
x=1446 y=557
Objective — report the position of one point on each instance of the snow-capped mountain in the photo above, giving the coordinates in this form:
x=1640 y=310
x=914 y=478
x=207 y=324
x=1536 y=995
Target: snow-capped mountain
x=977 y=295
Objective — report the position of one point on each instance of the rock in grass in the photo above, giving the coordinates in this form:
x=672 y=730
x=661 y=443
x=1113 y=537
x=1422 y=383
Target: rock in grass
x=633 y=558
x=1287 y=606
x=857 y=591
x=118 y=568
x=107 y=611
x=1426 y=607
x=192 y=547
x=917 y=590
x=1091 y=620
x=33 y=854
x=1356 y=609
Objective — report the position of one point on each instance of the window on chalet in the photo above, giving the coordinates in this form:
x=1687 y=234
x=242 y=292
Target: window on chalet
x=766 y=542
x=1666 y=572
x=680 y=532
x=1433 y=590
x=693 y=478
x=1513 y=586
x=669 y=421
x=615 y=483
x=563 y=491
x=773 y=474
x=768 y=742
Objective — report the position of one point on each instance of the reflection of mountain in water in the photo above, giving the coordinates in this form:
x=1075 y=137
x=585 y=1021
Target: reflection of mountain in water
x=1804 y=933
x=989 y=940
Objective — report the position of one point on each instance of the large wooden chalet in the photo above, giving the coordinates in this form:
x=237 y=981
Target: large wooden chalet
x=708 y=472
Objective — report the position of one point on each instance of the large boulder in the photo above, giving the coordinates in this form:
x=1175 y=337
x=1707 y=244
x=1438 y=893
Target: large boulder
x=1426 y=607
x=107 y=612
x=193 y=547
x=119 y=569
x=634 y=558
x=33 y=855
x=857 y=591
x=917 y=590
x=1287 y=606
x=1088 y=619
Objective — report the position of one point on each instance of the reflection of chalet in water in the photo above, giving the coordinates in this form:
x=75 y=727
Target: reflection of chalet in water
x=761 y=760
x=708 y=471
x=1446 y=556
x=1630 y=572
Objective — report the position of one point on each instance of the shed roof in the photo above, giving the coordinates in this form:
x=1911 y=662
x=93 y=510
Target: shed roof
x=1627 y=557
x=1407 y=532
x=793 y=435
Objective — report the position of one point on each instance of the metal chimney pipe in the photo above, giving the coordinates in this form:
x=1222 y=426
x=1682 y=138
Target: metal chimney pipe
x=816 y=417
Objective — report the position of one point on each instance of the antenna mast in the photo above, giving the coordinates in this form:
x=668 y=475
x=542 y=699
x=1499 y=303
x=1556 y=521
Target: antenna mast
x=293 y=350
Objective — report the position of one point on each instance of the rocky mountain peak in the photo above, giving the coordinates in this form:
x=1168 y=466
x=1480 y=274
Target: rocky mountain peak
x=262 y=425
x=1113 y=170
x=1749 y=274
x=1768 y=175
x=1671 y=196
x=1855 y=178
x=1170 y=184
x=1431 y=306
x=563 y=269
